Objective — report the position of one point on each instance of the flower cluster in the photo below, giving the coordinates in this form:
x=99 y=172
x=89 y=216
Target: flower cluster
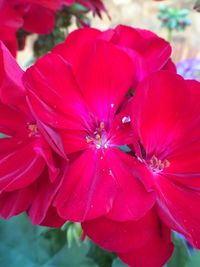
x=103 y=131
x=34 y=16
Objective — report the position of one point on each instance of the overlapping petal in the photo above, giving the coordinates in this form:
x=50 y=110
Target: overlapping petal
x=147 y=51
x=166 y=118
x=26 y=159
x=136 y=242
x=96 y=187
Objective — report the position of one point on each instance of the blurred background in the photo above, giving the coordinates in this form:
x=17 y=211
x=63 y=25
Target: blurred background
x=144 y=14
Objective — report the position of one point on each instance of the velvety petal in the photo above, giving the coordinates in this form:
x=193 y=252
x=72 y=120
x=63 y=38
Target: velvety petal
x=77 y=42
x=170 y=66
x=170 y=134
x=180 y=208
x=41 y=210
x=11 y=87
x=103 y=182
x=9 y=40
x=43 y=149
x=88 y=190
x=184 y=161
x=124 y=237
x=99 y=85
x=156 y=51
x=52 y=219
x=13 y=127
x=155 y=253
x=54 y=100
x=18 y=171
x=13 y=203
x=158 y=126
x=132 y=200
x=106 y=80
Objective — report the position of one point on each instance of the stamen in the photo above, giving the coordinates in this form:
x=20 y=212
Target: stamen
x=32 y=127
x=157 y=164
x=89 y=139
x=98 y=137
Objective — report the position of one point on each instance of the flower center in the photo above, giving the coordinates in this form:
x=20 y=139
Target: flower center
x=158 y=165
x=33 y=129
x=98 y=137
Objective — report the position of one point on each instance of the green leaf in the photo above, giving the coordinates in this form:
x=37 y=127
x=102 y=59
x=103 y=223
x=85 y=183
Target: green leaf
x=2 y=135
x=23 y=244
x=195 y=259
x=118 y=263
x=181 y=255
x=102 y=257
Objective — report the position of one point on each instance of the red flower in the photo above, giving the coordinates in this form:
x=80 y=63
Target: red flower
x=29 y=178
x=79 y=107
x=148 y=52
x=144 y=243
x=166 y=116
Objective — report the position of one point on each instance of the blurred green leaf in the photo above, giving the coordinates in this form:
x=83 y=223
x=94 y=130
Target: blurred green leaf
x=2 y=135
x=195 y=259
x=181 y=255
x=118 y=263
x=25 y=245
x=102 y=257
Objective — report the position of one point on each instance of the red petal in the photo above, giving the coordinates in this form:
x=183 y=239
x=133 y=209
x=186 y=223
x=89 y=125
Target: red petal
x=105 y=80
x=11 y=87
x=156 y=51
x=180 y=208
x=124 y=237
x=88 y=190
x=41 y=210
x=158 y=126
x=99 y=182
x=18 y=171
x=77 y=42
x=132 y=200
x=13 y=203
x=155 y=253
x=13 y=127
x=54 y=94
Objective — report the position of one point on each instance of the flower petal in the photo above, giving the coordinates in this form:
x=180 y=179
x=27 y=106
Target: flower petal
x=103 y=182
x=155 y=253
x=11 y=87
x=180 y=208
x=124 y=237
x=13 y=203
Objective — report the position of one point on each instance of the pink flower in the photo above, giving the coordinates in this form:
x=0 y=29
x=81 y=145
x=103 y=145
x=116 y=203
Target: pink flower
x=79 y=106
x=165 y=115
x=29 y=174
x=144 y=243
